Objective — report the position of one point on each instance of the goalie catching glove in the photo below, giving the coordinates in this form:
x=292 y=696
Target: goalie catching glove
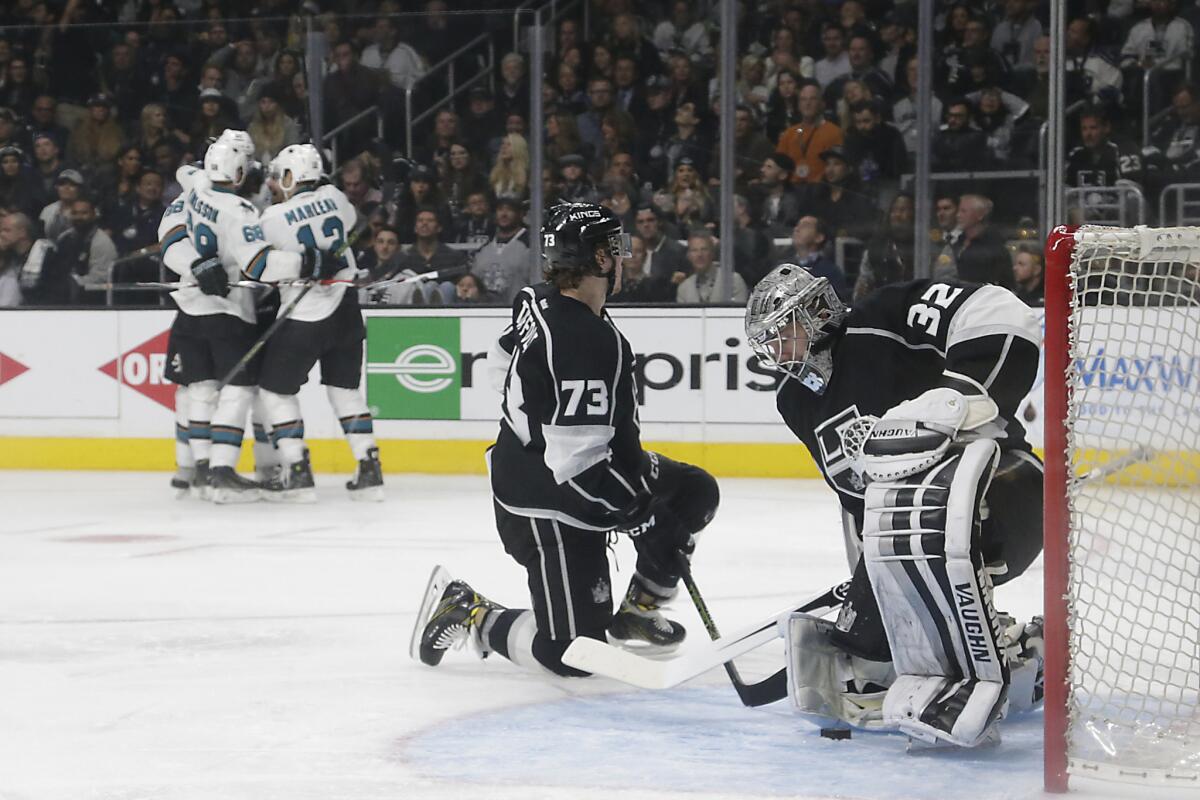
x=914 y=435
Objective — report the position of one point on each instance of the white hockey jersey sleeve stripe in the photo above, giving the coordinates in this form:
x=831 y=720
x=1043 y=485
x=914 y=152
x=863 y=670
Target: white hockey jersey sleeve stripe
x=571 y=449
x=992 y=311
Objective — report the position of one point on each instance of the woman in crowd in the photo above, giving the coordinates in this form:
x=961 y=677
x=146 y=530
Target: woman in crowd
x=510 y=176
x=783 y=108
x=18 y=89
x=215 y=115
x=271 y=129
x=688 y=198
x=97 y=137
x=461 y=178
x=562 y=136
x=118 y=182
x=154 y=128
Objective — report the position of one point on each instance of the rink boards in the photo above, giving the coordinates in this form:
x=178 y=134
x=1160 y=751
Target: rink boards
x=84 y=389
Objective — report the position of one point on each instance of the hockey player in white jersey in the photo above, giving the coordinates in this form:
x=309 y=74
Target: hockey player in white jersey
x=224 y=232
x=196 y=395
x=325 y=326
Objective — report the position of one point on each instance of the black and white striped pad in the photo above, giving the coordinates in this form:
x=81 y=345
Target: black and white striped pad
x=921 y=542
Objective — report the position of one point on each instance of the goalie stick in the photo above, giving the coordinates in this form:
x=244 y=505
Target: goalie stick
x=601 y=658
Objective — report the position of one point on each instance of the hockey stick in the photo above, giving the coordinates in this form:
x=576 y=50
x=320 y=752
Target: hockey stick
x=770 y=689
x=282 y=316
x=356 y=283
x=1138 y=455
x=601 y=658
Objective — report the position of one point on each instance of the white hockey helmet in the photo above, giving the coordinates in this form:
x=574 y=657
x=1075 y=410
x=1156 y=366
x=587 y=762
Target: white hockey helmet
x=240 y=140
x=225 y=163
x=296 y=164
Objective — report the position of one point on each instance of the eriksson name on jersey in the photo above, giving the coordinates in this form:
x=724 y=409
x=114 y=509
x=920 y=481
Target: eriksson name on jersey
x=310 y=210
x=202 y=208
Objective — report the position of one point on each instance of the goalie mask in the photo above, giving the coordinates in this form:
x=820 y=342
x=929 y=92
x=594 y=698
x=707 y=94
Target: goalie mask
x=571 y=234
x=790 y=318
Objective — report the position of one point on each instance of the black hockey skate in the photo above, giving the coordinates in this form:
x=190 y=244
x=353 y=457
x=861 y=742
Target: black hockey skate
x=456 y=616
x=201 y=487
x=639 y=620
x=293 y=484
x=181 y=481
x=368 y=479
x=229 y=487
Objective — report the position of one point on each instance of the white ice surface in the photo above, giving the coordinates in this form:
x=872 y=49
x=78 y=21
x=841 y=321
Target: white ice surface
x=155 y=648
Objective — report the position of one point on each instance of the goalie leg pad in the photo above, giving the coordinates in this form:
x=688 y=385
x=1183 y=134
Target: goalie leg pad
x=921 y=542
x=825 y=680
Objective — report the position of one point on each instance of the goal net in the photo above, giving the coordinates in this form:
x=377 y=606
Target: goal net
x=1123 y=505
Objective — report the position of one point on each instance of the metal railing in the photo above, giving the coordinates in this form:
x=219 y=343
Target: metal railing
x=366 y=112
x=446 y=65
x=1108 y=205
x=556 y=13
x=1147 y=79
x=1044 y=224
x=1186 y=205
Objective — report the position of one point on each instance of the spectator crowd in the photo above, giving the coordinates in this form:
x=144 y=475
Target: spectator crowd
x=101 y=102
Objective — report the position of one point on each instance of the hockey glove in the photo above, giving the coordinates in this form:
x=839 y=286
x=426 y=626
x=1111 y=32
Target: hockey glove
x=211 y=277
x=319 y=264
x=914 y=435
x=638 y=517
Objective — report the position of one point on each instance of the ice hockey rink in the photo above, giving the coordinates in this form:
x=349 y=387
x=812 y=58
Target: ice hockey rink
x=168 y=649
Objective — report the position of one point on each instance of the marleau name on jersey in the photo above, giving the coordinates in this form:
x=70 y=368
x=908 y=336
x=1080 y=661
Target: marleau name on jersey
x=309 y=210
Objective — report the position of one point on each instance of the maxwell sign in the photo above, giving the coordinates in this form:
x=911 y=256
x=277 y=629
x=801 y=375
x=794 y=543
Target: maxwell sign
x=141 y=369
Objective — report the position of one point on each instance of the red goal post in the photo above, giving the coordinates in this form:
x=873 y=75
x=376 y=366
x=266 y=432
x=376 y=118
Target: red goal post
x=1122 y=505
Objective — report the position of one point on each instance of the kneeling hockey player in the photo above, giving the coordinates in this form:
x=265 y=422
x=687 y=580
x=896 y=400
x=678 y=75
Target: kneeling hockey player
x=568 y=468
x=907 y=403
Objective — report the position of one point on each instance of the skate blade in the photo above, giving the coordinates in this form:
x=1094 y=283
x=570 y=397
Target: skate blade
x=918 y=746
x=308 y=495
x=224 y=497
x=372 y=494
x=643 y=648
x=201 y=493
x=438 y=580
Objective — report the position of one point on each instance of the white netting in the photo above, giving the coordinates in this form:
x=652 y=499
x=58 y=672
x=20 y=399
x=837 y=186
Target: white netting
x=1133 y=440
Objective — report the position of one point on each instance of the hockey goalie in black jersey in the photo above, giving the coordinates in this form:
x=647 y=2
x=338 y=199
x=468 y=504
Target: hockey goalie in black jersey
x=568 y=468
x=907 y=403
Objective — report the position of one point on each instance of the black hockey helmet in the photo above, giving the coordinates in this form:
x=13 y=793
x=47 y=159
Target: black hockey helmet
x=572 y=232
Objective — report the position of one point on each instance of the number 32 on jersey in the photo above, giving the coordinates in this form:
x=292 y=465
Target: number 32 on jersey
x=928 y=315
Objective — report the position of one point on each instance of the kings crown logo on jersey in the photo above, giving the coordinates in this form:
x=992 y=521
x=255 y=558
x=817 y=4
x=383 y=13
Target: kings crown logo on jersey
x=413 y=367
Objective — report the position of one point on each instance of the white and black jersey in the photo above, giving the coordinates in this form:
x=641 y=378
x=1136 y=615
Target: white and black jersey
x=905 y=339
x=1102 y=166
x=569 y=446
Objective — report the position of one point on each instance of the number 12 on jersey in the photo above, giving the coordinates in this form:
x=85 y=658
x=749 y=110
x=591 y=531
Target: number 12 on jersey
x=333 y=229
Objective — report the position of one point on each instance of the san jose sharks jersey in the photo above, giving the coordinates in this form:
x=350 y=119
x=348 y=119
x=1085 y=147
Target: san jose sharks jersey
x=320 y=219
x=901 y=341
x=178 y=252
